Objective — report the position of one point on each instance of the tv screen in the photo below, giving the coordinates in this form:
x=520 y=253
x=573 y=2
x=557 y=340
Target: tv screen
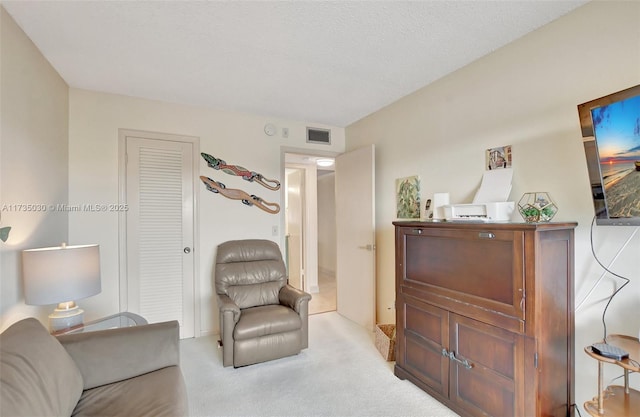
x=611 y=131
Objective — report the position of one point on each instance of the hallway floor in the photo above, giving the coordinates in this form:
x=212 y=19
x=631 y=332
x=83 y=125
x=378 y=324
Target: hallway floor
x=325 y=300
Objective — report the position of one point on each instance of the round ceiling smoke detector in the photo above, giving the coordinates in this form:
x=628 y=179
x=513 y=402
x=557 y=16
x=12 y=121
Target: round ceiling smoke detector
x=270 y=129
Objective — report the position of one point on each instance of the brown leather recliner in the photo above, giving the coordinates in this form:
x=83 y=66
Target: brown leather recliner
x=261 y=316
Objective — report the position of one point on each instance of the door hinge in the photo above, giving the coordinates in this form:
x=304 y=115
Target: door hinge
x=535 y=360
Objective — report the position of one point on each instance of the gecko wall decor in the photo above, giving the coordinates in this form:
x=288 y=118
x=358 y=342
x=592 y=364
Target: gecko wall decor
x=246 y=175
x=235 y=194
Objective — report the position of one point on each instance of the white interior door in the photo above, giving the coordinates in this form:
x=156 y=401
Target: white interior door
x=160 y=262
x=294 y=212
x=355 y=236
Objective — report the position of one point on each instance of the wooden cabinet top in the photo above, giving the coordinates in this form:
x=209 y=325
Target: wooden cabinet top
x=484 y=225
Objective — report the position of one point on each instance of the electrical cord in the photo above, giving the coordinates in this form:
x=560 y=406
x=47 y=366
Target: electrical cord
x=626 y=280
x=604 y=273
x=621 y=376
x=607 y=270
x=575 y=407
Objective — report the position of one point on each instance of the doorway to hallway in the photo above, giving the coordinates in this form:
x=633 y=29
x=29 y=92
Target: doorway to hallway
x=351 y=245
x=310 y=228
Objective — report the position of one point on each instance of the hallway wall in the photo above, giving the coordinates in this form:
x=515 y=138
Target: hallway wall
x=327 y=223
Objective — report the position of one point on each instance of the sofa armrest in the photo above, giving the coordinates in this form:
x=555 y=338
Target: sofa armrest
x=293 y=297
x=113 y=355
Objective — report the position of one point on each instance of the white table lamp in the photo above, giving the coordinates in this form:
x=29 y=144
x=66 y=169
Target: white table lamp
x=61 y=275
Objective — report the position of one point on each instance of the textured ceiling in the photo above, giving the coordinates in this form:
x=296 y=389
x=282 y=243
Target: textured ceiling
x=314 y=61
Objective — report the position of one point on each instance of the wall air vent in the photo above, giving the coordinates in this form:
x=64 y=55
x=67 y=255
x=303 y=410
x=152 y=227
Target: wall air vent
x=315 y=135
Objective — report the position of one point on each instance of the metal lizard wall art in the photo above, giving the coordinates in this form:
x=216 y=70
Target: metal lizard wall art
x=243 y=172
x=235 y=194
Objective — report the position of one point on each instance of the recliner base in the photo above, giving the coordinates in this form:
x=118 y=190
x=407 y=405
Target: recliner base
x=266 y=348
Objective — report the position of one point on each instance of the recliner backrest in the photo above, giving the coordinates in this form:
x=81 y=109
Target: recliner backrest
x=251 y=272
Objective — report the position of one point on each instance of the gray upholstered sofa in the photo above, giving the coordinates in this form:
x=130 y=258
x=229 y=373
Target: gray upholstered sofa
x=132 y=371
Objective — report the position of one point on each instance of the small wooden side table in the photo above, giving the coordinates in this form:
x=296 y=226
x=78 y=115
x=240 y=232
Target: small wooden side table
x=616 y=400
x=115 y=321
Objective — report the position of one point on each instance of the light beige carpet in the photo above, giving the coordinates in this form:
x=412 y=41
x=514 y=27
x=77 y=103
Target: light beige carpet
x=341 y=374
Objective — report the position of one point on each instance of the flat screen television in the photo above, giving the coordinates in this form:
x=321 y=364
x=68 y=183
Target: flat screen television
x=611 y=137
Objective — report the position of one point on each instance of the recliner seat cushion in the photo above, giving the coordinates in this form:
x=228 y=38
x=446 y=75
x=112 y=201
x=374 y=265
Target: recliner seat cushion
x=266 y=320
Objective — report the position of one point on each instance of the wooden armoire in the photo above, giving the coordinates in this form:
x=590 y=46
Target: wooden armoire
x=484 y=315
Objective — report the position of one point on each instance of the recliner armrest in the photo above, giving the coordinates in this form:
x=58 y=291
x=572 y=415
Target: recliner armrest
x=113 y=355
x=229 y=316
x=293 y=297
x=228 y=306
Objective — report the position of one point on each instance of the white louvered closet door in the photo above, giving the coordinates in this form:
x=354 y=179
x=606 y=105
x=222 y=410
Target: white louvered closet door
x=160 y=262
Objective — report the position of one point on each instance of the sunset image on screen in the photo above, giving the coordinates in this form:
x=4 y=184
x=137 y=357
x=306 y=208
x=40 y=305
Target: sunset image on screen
x=617 y=132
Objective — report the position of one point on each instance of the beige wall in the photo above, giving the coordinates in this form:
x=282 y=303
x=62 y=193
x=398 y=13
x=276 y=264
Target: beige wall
x=237 y=138
x=524 y=95
x=33 y=169
x=327 y=223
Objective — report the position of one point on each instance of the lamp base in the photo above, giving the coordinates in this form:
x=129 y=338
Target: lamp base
x=65 y=316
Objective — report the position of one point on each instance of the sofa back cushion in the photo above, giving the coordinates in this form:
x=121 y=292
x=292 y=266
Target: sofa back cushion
x=38 y=376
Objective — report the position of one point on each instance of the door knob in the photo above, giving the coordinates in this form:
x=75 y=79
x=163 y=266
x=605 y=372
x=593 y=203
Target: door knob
x=187 y=250
x=367 y=247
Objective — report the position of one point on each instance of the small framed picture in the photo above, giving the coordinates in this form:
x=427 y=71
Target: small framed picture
x=498 y=158
x=408 y=197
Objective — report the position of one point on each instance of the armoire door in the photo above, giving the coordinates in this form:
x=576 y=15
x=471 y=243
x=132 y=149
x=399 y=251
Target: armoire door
x=488 y=370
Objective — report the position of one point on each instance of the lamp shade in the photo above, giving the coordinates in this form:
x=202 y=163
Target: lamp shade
x=61 y=274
